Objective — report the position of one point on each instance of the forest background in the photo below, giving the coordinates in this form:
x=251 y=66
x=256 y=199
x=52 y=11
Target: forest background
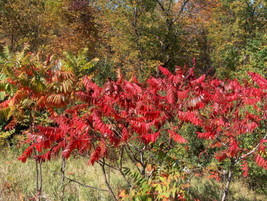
x=107 y=40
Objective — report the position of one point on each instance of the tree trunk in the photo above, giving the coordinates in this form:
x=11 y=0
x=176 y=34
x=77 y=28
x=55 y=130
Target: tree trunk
x=229 y=179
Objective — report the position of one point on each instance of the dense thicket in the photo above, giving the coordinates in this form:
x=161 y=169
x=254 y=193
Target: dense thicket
x=81 y=77
x=225 y=37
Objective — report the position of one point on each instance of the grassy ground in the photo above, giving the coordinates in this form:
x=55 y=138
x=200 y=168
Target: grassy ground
x=17 y=182
x=210 y=190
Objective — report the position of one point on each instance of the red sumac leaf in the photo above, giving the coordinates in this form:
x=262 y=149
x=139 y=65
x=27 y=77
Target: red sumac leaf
x=165 y=71
x=89 y=84
x=67 y=151
x=176 y=137
x=260 y=161
x=233 y=149
x=152 y=115
x=5 y=103
x=38 y=146
x=154 y=82
x=221 y=157
x=125 y=135
x=86 y=97
x=262 y=82
x=11 y=125
x=249 y=127
x=189 y=117
x=95 y=156
x=99 y=152
x=245 y=168
x=151 y=137
x=26 y=154
x=198 y=80
x=207 y=135
x=183 y=94
x=251 y=101
x=171 y=96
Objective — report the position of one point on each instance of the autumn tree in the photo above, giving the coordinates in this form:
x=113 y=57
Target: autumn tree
x=78 y=28
x=49 y=26
x=237 y=35
x=24 y=22
x=140 y=35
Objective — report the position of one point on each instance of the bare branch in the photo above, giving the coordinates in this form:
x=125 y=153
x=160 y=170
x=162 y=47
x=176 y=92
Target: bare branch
x=183 y=7
x=84 y=185
x=106 y=180
x=252 y=151
x=100 y=162
x=161 y=6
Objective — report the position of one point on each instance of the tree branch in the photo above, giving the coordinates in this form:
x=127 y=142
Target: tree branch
x=252 y=151
x=106 y=180
x=84 y=185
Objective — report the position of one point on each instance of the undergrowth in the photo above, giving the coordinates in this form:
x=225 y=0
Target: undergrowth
x=17 y=182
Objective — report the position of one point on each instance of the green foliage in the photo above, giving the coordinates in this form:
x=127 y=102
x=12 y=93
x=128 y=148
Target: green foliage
x=253 y=56
x=4 y=135
x=238 y=37
x=144 y=35
x=19 y=24
x=162 y=183
x=79 y=63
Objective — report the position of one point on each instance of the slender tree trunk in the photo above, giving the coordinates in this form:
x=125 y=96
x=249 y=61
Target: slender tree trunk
x=228 y=181
x=39 y=179
x=38 y=164
x=63 y=166
x=106 y=180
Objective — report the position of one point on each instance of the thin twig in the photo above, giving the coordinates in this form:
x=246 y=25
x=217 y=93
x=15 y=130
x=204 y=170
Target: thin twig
x=219 y=140
x=121 y=167
x=183 y=7
x=132 y=158
x=84 y=185
x=100 y=162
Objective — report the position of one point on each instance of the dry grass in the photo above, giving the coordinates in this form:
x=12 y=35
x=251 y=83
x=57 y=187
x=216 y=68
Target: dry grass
x=17 y=180
x=210 y=190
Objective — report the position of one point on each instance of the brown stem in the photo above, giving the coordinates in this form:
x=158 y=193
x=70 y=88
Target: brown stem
x=84 y=185
x=41 y=180
x=252 y=151
x=143 y=164
x=63 y=165
x=106 y=180
x=37 y=179
x=121 y=167
x=228 y=181
x=38 y=163
x=133 y=158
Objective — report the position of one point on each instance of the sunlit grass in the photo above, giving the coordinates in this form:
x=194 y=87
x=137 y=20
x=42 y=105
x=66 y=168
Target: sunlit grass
x=210 y=190
x=17 y=180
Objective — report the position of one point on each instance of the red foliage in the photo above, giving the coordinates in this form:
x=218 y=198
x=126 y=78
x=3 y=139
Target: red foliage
x=176 y=137
x=260 y=161
x=122 y=111
x=245 y=168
